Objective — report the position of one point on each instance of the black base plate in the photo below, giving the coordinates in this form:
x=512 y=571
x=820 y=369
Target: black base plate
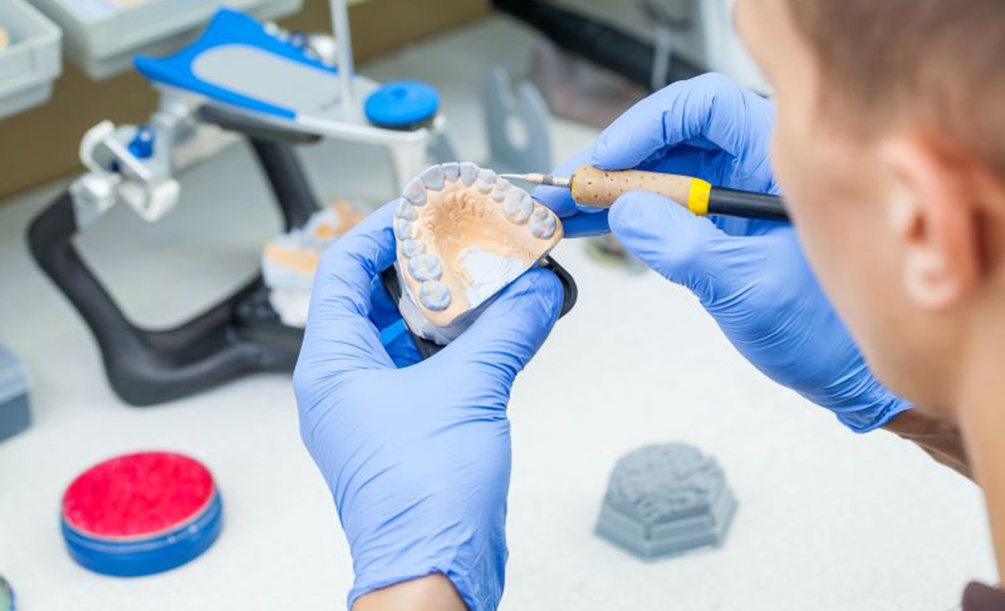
x=428 y=348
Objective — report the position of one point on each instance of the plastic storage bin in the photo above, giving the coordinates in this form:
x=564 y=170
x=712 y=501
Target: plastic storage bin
x=31 y=61
x=14 y=413
x=102 y=36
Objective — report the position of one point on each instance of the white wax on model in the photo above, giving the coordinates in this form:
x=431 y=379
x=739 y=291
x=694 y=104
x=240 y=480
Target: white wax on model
x=489 y=273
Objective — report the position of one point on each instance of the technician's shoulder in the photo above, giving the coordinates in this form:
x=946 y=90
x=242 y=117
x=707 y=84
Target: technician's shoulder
x=979 y=597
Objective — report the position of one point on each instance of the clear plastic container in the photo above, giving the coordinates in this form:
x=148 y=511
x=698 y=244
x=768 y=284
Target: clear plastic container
x=102 y=36
x=31 y=60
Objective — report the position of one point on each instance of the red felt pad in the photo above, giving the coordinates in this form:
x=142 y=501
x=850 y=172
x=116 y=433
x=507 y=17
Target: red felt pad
x=138 y=495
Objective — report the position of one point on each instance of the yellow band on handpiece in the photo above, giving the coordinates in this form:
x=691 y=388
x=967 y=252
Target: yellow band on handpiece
x=697 y=199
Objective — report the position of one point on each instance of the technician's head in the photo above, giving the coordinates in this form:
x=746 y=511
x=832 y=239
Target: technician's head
x=890 y=148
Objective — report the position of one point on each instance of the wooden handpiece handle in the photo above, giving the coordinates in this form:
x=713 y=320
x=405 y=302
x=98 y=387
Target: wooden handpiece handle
x=595 y=187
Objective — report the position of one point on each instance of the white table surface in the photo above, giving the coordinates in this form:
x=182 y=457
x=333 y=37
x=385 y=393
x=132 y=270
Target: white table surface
x=827 y=519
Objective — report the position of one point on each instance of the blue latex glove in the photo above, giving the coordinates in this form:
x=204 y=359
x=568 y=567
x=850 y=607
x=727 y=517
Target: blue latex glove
x=751 y=276
x=577 y=221
x=418 y=457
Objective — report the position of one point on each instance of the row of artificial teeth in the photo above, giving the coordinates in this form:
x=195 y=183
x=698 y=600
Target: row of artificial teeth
x=425 y=268
x=517 y=203
x=542 y=223
x=518 y=207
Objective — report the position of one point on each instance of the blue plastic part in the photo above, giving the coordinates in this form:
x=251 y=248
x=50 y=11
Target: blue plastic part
x=138 y=557
x=402 y=104
x=392 y=332
x=142 y=146
x=228 y=27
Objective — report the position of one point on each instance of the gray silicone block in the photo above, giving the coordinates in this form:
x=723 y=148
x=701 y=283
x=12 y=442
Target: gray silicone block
x=666 y=499
x=14 y=413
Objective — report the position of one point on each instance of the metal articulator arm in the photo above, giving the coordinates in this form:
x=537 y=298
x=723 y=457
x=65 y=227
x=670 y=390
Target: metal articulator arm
x=242 y=334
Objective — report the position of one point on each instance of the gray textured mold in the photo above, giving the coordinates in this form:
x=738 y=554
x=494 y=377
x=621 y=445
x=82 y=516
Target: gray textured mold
x=14 y=413
x=666 y=499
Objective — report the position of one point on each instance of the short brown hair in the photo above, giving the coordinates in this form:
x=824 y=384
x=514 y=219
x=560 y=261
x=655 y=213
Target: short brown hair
x=938 y=62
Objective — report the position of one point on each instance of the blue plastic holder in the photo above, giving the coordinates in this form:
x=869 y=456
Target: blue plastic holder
x=402 y=105
x=136 y=556
x=233 y=30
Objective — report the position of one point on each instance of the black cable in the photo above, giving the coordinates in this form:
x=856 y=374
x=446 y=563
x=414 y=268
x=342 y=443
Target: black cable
x=602 y=44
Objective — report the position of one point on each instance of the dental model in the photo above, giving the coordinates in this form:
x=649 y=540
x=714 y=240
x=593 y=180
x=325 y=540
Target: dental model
x=290 y=259
x=666 y=499
x=463 y=234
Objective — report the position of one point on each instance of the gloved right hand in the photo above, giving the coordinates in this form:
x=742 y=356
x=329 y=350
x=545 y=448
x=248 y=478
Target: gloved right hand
x=751 y=276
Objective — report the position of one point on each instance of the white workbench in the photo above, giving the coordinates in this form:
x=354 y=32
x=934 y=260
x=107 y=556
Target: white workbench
x=827 y=520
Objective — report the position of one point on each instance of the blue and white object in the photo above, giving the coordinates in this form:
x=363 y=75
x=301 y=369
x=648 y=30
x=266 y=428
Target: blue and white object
x=237 y=62
x=258 y=76
x=267 y=77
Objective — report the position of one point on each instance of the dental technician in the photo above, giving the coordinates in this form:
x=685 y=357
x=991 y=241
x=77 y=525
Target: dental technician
x=887 y=137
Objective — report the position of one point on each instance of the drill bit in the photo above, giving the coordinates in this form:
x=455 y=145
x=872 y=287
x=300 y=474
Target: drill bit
x=541 y=179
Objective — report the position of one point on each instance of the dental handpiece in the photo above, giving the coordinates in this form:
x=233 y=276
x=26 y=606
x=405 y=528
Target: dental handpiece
x=591 y=186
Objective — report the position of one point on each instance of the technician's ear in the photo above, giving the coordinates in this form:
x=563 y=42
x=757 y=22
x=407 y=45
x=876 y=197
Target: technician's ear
x=934 y=214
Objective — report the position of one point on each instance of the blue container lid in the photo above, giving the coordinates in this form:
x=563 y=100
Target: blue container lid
x=137 y=557
x=402 y=104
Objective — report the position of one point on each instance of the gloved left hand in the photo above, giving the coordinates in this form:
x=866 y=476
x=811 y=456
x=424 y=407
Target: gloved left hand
x=751 y=276
x=417 y=458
